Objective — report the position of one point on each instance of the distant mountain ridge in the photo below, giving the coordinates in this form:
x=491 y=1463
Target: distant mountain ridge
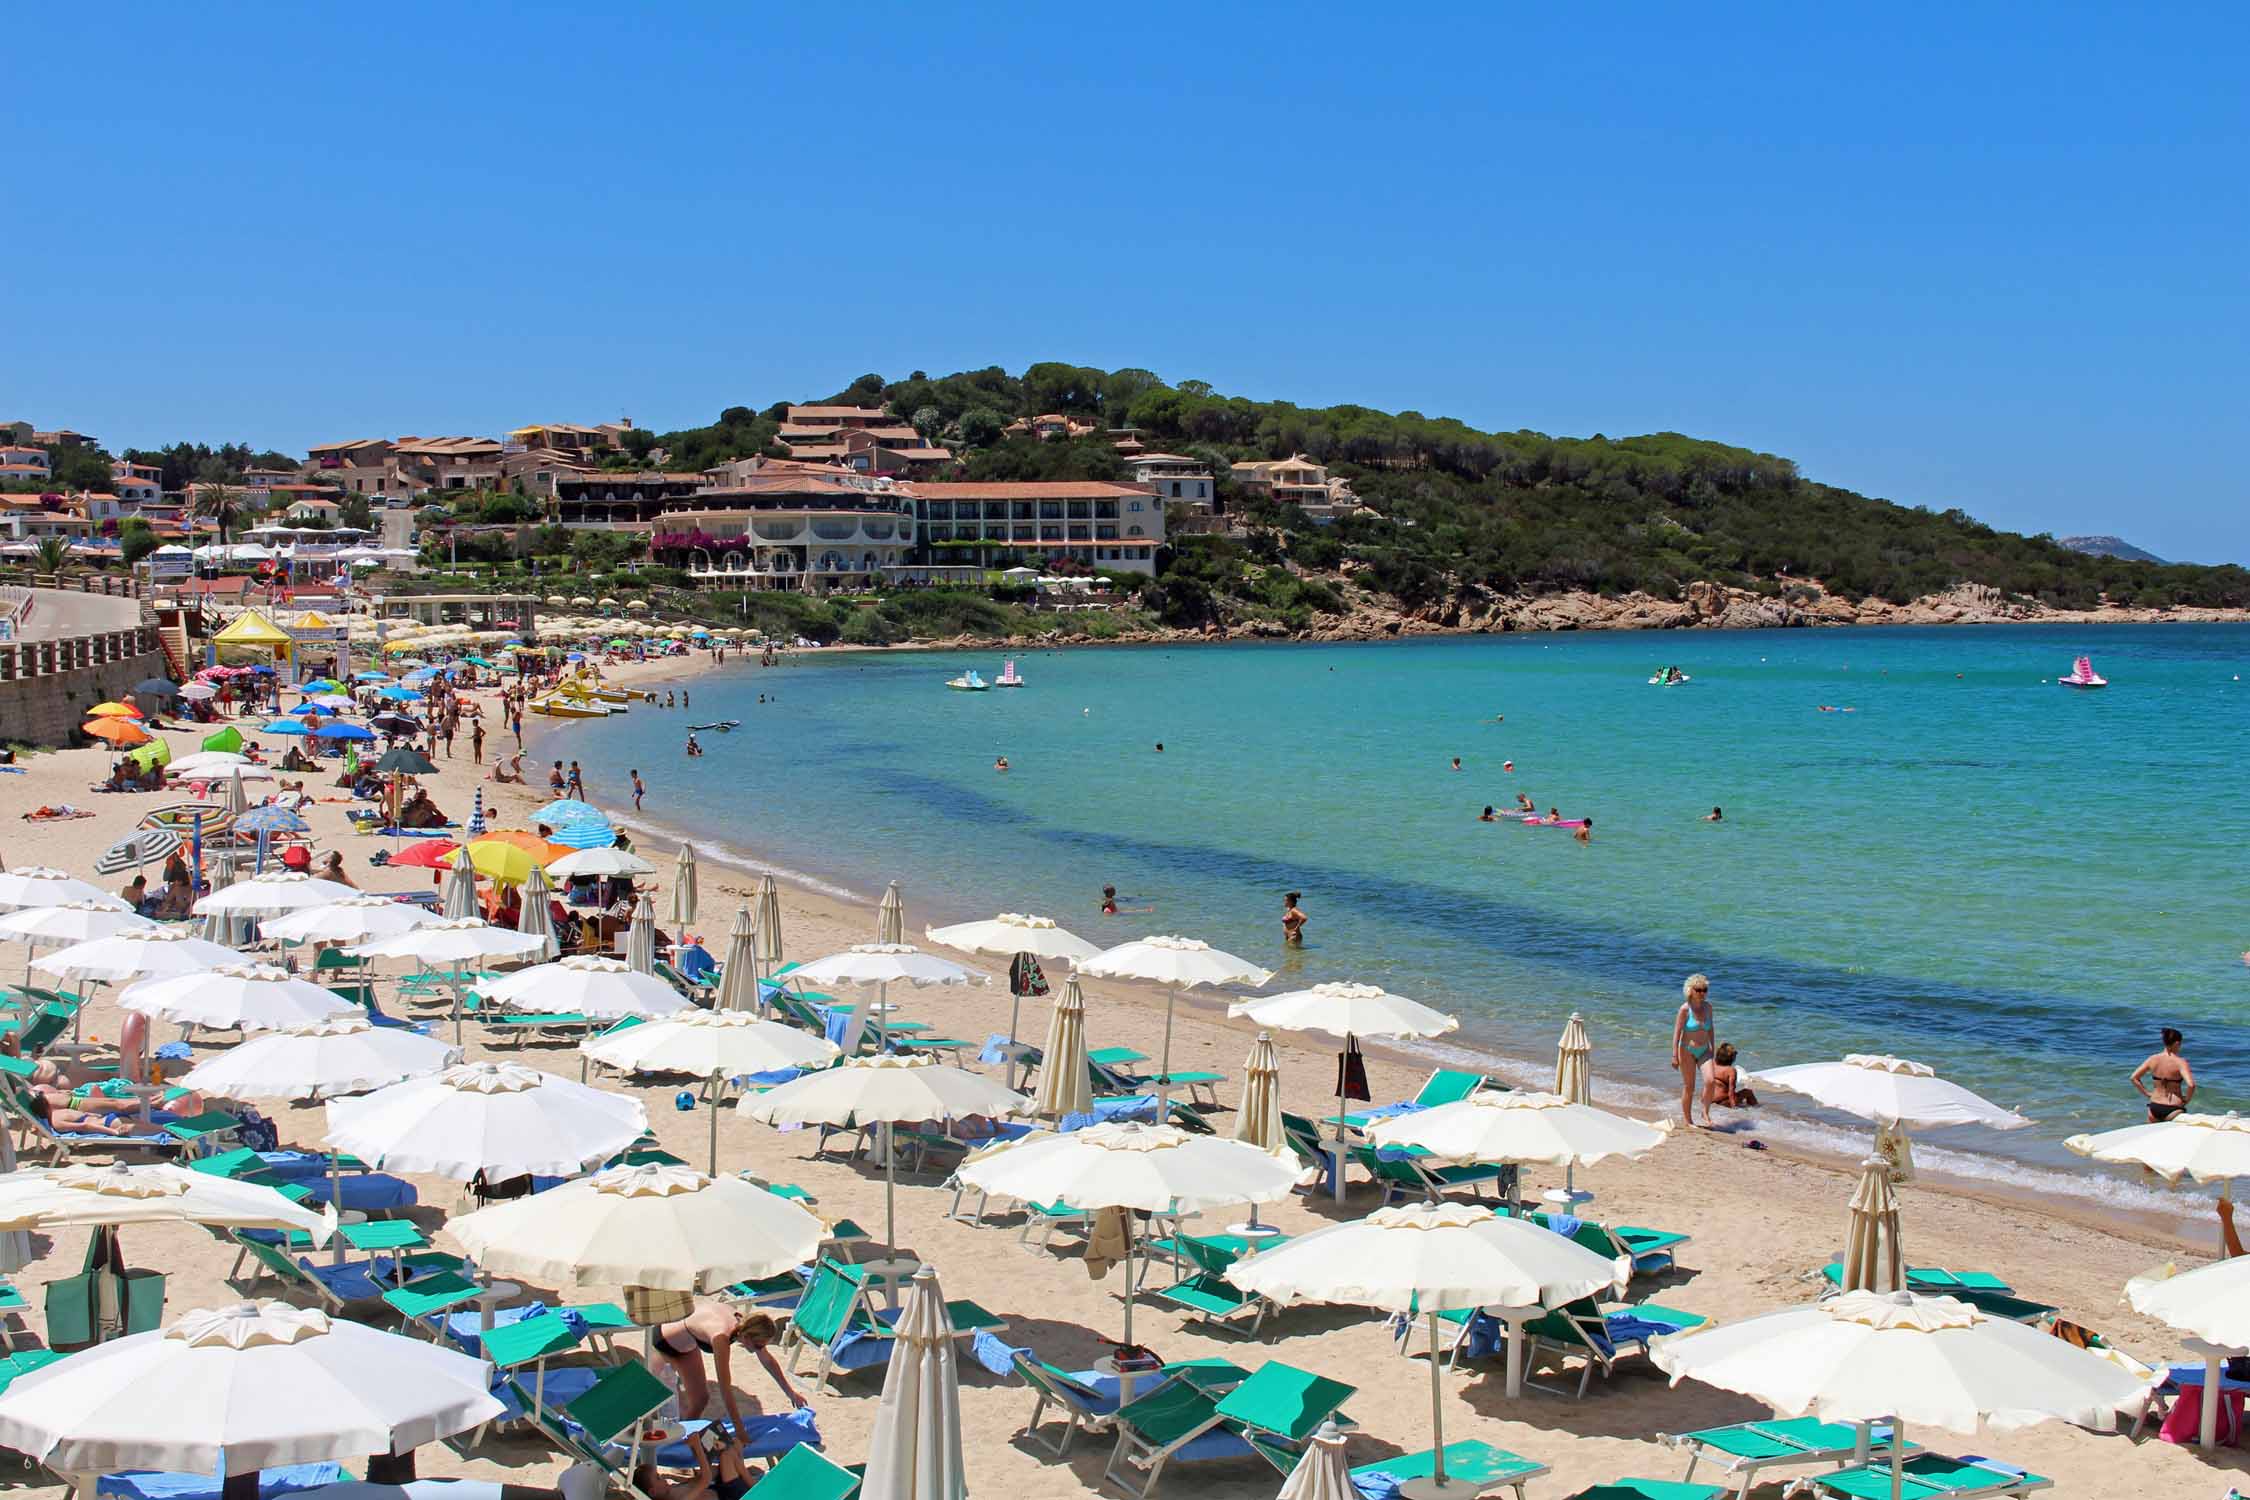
x=2108 y=546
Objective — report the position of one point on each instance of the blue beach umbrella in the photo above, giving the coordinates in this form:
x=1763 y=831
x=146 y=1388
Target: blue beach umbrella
x=344 y=732
x=568 y=810
x=319 y=685
x=285 y=725
x=399 y=695
x=371 y=677
x=306 y=707
x=586 y=833
x=266 y=818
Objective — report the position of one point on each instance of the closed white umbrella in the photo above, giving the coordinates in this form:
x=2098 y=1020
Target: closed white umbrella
x=1258 y=1121
x=356 y=919
x=237 y=996
x=604 y=863
x=134 y=954
x=1323 y=1473
x=915 y=1451
x=243 y=1388
x=1350 y=1011
x=885 y=1088
x=272 y=894
x=1007 y=935
x=347 y=1055
x=501 y=1119
x=683 y=888
x=39 y=885
x=1177 y=963
x=1574 y=1062
x=1526 y=1128
x=452 y=943
x=640 y=937
x=890 y=916
x=1873 y=1258
x=738 y=971
x=1066 y=1087
x=655 y=1226
x=711 y=1044
x=535 y=918
x=1898 y=1095
x=769 y=922
x=1897 y=1356
x=1157 y=1169
x=458 y=898
x=601 y=989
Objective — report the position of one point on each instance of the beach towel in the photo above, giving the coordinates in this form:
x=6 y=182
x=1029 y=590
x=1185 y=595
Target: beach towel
x=155 y=1484
x=768 y=1435
x=994 y=1050
x=991 y=1353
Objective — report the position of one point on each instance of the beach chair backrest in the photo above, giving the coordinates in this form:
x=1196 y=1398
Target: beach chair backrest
x=805 y=1473
x=1579 y=1325
x=830 y=1299
x=1174 y=1410
x=52 y=1021
x=1211 y=1260
x=1056 y=1384
x=1283 y=1399
x=1449 y=1086
x=613 y=1404
x=272 y=1259
x=510 y=1344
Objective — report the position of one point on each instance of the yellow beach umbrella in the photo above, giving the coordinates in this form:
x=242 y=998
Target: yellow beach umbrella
x=114 y=711
x=496 y=859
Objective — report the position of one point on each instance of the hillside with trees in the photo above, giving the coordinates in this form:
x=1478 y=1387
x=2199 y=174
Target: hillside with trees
x=1461 y=513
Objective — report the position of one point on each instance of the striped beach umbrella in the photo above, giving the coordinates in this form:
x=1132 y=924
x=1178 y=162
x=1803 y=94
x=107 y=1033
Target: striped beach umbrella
x=585 y=833
x=476 y=814
x=136 y=849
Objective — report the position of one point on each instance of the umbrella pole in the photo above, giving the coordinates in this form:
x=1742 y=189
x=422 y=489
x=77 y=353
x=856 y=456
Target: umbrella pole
x=1164 y=1073
x=714 y=1122
x=1015 y=1010
x=457 y=1002
x=1437 y=1410
x=1338 y=1188
x=335 y=1205
x=1132 y=1247
x=890 y=1189
x=1898 y=1447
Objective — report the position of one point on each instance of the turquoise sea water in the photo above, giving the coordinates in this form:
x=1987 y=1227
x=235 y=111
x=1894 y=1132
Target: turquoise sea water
x=1976 y=868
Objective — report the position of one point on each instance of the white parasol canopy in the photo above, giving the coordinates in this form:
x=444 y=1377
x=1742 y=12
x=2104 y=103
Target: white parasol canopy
x=136 y=954
x=1539 y=1129
x=1010 y=933
x=257 y=1385
x=654 y=1226
x=450 y=941
x=768 y=917
x=214 y=764
x=39 y=885
x=601 y=989
x=1323 y=1473
x=915 y=1451
x=347 y=1055
x=501 y=1119
x=884 y=1088
x=640 y=936
x=885 y=963
x=1898 y=1356
x=70 y=922
x=1429 y=1258
x=2205 y=1148
x=606 y=863
x=1177 y=963
x=87 y=1197
x=273 y=893
x=711 y=1044
x=1345 y=1009
x=236 y=996
x=1896 y=1094
x=356 y=919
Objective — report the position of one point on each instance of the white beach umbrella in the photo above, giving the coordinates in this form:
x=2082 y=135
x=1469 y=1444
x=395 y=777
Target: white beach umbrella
x=1516 y=1126
x=640 y=937
x=452 y=943
x=601 y=989
x=1429 y=1258
x=119 y=1193
x=882 y=1089
x=536 y=917
x=356 y=919
x=458 y=896
x=882 y=965
x=2209 y=1303
x=1350 y=1011
x=769 y=922
x=242 y=1388
x=1896 y=1094
x=1874 y=1261
x=272 y=894
x=682 y=909
x=1066 y=1087
x=1574 y=1062
x=738 y=971
x=216 y=764
x=347 y=1055
x=1007 y=935
x=1897 y=1356
x=1177 y=963
x=602 y=863
x=2204 y=1148
x=1157 y=1169
x=915 y=1451
x=236 y=996
x=655 y=1226
x=711 y=1044
x=39 y=885
x=70 y=922
x=135 y=954
x=501 y=1119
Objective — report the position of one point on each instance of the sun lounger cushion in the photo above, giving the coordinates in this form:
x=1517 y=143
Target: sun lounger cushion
x=419 y=1489
x=155 y=1484
x=1932 y=1476
x=368 y=1192
x=1650 y=1489
x=1477 y=1466
x=766 y=1436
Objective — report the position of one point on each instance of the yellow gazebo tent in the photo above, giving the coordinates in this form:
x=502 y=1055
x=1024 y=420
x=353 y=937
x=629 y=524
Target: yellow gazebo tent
x=250 y=628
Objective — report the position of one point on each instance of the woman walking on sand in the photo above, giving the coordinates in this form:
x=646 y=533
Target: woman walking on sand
x=1693 y=1031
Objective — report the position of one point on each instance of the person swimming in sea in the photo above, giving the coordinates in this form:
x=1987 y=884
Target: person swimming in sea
x=1585 y=832
x=693 y=747
x=1456 y=762
x=1293 y=920
x=1525 y=804
x=1714 y=816
x=2170 y=1085
x=1109 y=900
x=1000 y=764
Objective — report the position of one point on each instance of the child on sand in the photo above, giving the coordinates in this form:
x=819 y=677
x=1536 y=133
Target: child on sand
x=1722 y=1084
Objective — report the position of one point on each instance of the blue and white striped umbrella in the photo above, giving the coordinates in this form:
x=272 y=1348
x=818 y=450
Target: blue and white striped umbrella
x=586 y=833
x=476 y=815
x=568 y=810
x=266 y=818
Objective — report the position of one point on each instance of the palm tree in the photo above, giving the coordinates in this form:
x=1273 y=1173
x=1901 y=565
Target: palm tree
x=218 y=503
x=53 y=556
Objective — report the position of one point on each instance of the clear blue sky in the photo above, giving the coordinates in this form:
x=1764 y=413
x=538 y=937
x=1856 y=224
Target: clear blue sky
x=1990 y=256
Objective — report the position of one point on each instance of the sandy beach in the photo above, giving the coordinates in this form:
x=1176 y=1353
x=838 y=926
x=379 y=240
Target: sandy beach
x=1761 y=1220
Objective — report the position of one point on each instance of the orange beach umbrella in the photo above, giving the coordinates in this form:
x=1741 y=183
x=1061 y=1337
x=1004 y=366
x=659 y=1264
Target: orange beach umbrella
x=124 y=734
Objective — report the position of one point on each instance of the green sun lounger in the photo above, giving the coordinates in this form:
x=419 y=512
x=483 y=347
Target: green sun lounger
x=1476 y=1466
x=806 y=1473
x=1083 y=1407
x=1740 y=1452
x=1443 y=1086
x=1931 y=1476
x=1211 y=1300
x=1650 y=1489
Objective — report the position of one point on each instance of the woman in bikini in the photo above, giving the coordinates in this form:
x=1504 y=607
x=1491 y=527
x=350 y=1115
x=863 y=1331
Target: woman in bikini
x=1292 y=921
x=1691 y=1040
x=716 y=1329
x=2170 y=1082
